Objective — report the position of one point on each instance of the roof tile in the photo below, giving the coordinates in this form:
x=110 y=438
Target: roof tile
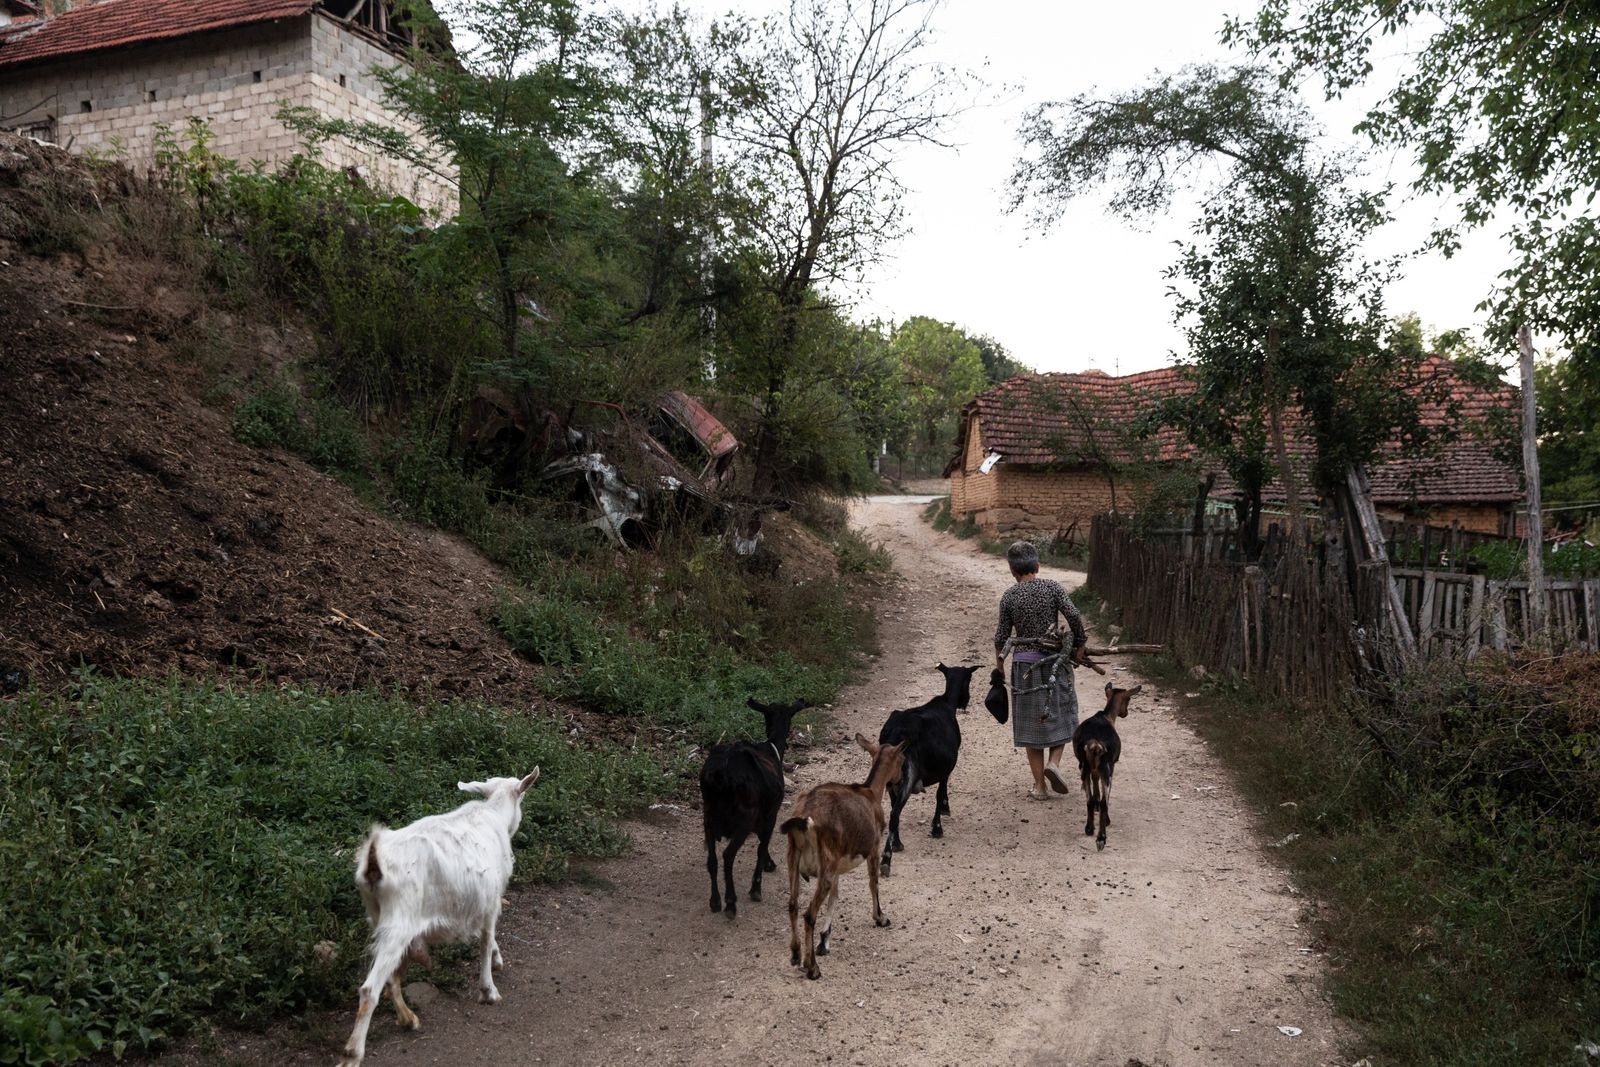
x=1052 y=419
x=114 y=23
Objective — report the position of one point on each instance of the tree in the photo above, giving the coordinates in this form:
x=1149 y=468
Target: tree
x=821 y=104
x=942 y=369
x=1500 y=102
x=1569 y=431
x=1282 y=314
x=998 y=364
x=512 y=121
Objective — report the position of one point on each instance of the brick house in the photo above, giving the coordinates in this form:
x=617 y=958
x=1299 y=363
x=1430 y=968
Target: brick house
x=102 y=76
x=1041 y=454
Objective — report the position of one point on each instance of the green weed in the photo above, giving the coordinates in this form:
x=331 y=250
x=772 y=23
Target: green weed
x=1458 y=875
x=176 y=852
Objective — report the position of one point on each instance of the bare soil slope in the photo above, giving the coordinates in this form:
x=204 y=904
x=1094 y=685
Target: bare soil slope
x=1014 y=941
x=137 y=536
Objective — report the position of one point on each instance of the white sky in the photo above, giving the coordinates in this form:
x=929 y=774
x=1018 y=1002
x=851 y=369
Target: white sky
x=1090 y=292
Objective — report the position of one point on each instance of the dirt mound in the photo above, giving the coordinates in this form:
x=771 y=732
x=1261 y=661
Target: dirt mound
x=137 y=536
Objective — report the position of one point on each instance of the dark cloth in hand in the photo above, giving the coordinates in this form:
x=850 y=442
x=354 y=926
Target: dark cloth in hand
x=996 y=701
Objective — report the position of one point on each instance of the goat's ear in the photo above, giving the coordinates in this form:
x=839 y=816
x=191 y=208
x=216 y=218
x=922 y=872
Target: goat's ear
x=480 y=788
x=753 y=706
x=1110 y=689
x=527 y=783
x=1136 y=690
x=865 y=744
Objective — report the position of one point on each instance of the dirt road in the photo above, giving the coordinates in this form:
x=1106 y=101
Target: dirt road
x=1014 y=941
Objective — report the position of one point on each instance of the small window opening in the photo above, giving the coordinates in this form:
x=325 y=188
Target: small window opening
x=341 y=81
x=151 y=96
x=86 y=106
x=255 y=75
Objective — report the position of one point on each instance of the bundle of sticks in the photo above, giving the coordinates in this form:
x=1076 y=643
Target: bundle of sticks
x=1111 y=650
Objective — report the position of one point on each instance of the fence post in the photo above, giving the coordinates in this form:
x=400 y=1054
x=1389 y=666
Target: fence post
x=1425 y=627
x=1475 y=621
x=1591 y=614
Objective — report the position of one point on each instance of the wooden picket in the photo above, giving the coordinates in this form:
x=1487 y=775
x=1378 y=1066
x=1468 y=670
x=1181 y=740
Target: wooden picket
x=1294 y=626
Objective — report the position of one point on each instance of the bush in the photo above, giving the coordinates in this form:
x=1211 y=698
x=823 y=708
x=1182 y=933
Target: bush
x=1449 y=836
x=175 y=852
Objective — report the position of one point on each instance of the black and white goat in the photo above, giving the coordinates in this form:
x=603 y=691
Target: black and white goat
x=1098 y=748
x=741 y=790
x=931 y=739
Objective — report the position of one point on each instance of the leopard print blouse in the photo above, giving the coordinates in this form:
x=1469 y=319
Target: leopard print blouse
x=1032 y=606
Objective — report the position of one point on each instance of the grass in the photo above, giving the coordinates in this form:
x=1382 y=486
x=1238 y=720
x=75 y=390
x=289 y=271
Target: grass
x=175 y=852
x=1459 y=877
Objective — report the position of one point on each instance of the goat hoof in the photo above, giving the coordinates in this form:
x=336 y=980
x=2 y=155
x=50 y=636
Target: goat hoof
x=882 y=920
x=755 y=894
x=413 y=1024
x=1088 y=831
x=822 y=948
x=489 y=996
x=716 y=905
x=732 y=913
x=813 y=972
x=938 y=831
x=1100 y=844
x=898 y=846
x=794 y=958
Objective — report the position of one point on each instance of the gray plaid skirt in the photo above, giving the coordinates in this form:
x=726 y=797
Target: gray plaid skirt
x=1043 y=716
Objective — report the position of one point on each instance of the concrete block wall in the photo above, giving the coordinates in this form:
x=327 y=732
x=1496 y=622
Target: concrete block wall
x=340 y=84
x=111 y=103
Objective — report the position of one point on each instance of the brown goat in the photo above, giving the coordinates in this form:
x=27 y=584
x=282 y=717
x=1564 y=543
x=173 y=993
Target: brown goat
x=833 y=828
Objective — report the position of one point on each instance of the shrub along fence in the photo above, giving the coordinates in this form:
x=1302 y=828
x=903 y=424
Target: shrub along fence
x=1291 y=623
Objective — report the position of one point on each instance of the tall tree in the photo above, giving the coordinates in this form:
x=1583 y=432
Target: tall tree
x=1500 y=102
x=823 y=102
x=942 y=369
x=513 y=121
x=1281 y=311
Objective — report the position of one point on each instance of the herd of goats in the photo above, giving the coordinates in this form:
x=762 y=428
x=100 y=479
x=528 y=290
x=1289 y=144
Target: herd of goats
x=441 y=879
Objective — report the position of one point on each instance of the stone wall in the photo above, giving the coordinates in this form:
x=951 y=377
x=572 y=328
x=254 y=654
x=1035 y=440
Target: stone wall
x=111 y=102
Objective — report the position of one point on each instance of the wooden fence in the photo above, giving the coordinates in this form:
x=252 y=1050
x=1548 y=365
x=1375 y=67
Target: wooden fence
x=1292 y=625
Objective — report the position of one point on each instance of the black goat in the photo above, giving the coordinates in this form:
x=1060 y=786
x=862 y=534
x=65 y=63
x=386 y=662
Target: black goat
x=1098 y=747
x=931 y=738
x=741 y=790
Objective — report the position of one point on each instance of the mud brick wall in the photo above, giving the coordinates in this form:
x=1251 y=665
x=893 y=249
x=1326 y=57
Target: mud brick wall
x=1479 y=518
x=111 y=103
x=971 y=492
x=1033 y=503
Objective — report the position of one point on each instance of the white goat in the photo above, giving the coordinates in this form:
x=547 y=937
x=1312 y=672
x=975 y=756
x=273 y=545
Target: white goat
x=438 y=880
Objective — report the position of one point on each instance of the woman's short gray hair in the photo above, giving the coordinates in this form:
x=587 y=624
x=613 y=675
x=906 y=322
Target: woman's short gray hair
x=1023 y=557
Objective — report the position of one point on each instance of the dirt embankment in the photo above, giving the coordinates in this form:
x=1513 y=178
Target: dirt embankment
x=137 y=536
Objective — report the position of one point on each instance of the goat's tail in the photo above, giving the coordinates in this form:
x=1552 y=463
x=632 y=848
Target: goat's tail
x=368 y=869
x=1093 y=753
x=794 y=826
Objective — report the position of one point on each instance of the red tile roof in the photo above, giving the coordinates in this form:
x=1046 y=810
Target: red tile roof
x=1063 y=420
x=115 y=23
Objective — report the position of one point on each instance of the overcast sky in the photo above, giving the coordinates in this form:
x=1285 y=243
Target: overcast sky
x=1090 y=292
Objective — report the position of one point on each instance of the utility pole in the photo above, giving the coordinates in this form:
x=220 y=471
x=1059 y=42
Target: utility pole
x=1530 y=475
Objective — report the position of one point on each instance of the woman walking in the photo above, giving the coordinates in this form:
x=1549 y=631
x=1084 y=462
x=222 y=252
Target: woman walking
x=1044 y=702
